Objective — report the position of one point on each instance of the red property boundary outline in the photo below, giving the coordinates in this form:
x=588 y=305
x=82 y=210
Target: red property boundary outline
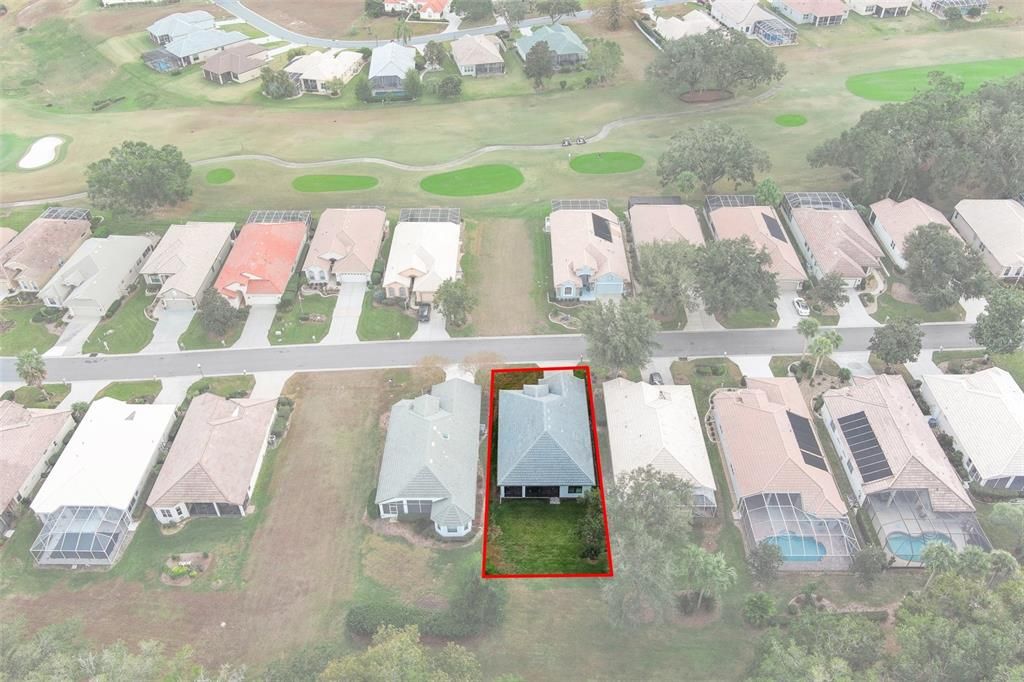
x=492 y=399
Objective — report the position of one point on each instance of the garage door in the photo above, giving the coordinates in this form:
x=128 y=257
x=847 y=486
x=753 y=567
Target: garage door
x=354 y=277
x=177 y=303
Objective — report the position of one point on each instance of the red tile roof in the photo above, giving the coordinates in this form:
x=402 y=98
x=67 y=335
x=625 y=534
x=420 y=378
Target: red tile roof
x=262 y=259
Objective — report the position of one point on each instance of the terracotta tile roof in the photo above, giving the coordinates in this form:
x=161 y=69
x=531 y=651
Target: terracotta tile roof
x=761 y=449
x=215 y=453
x=237 y=59
x=914 y=456
x=901 y=218
x=839 y=240
x=262 y=259
x=574 y=246
x=351 y=237
x=733 y=222
x=26 y=435
x=438 y=6
x=472 y=50
x=665 y=223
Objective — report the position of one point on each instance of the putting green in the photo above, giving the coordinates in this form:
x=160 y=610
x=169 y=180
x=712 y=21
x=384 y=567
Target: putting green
x=333 y=183
x=790 y=120
x=607 y=162
x=473 y=181
x=218 y=176
x=899 y=85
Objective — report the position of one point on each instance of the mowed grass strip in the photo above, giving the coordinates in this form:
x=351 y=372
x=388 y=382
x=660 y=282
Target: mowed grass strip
x=600 y=163
x=20 y=333
x=790 y=120
x=131 y=390
x=537 y=537
x=219 y=176
x=474 y=181
x=899 y=85
x=12 y=148
x=128 y=330
x=333 y=183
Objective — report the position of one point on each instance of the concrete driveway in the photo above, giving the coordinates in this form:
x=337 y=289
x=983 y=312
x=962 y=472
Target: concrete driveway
x=788 y=318
x=433 y=330
x=254 y=334
x=699 y=321
x=754 y=366
x=853 y=314
x=346 y=314
x=662 y=366
x=856 y=362
x=74 y=335
x=973 y=307
x=169 y=327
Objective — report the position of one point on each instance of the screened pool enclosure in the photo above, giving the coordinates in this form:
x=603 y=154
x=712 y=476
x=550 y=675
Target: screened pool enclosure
x=91 y=536
x=828 y=543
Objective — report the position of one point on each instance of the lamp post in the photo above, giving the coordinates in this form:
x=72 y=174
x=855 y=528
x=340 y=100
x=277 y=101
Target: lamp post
x=199 y=366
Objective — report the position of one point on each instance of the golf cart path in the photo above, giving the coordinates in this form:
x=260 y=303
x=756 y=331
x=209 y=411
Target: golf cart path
x=600 y=135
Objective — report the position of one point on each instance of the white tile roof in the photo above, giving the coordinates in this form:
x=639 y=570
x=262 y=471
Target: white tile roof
x=692 y=24
x=985 y=412
x=198 y=42
x=325 y=66
x=186 y=253
x=999 y=224
x=657 y=426
x=96 y=270
x=392 y=59
x=431 y=249
x=181 y=23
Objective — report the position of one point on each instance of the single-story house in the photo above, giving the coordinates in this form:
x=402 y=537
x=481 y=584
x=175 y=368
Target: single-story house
x=658 y=426
x=739 y=215
x=545 y=447
x=430 y=461
x=6 y=235
x=433 y=10
x=313 y=71
x=478 y=55
x=753 y=21
x=423 y=255
x=389 y=64
x=893 y=221
x=693 y=23
x=30 y=438
x=212 y=466
x=569 y=49
x=30 y=259
x=897 y=469
x=939 y=7
x=185 y=262
x=881 y=9
x=588 y=254
x=785 y=494
x=813 y=12
x=344 y=247
x=663 y=219
x=831 y=235
x=984 y=415
x=99 y=273
x=199 y=46
x=178 y=25
x=261 y=262
x=995 y=227
x=237 y=64
x=87 y=501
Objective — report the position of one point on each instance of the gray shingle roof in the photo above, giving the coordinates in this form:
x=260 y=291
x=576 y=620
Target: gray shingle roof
x=544 y=433
x=431 y=451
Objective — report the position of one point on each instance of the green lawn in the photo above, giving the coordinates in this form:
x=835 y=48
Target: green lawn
x=196 y=338
x=12 y=148
x=890 y=308
x=333 y=183
x=473 y=181
x=247 y=29
x=294 y=330
x=383 y=323
x=600 y=163
x=30 y=396
x=825 y=320
x=899 y=85
x=791 y=120
x=223 y=386
x=25 y=334
x=779 y=365
x=1012 y=362
x=129 y=390
x=537 y=537
x=219 y=176
x=127 y=331
x=750 y=318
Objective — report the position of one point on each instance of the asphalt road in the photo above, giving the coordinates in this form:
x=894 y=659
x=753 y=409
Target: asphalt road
x=547 y=348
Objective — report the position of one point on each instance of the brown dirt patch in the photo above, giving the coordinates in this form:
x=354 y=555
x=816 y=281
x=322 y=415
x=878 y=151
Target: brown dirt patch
x=504 y=258
x=901 y=292
x=119 y=21
x=321 y=18
x=41 y=10
x=706 y=96
x=403 y=568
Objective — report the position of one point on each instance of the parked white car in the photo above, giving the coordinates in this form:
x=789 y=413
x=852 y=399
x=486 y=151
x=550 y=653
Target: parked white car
x=802 y=309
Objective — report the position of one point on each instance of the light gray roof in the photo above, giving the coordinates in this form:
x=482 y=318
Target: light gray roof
x=198 y=42
x=544 y=433
x=431 y=451
x=181 y=23
x=392 y=59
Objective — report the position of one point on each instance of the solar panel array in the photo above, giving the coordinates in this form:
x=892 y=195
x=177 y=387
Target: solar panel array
x=774 y=228
x=263 y=216
x=579 y=204
x=730 y=201
x=806 y=441
x=864 y=445
x=61 y=213
x=602 y=228
x=430 y=215
x=833 y=201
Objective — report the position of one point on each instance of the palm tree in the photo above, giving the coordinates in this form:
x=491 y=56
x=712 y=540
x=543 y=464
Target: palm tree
x=403 y=31
x=974 y=562
x=1002 y=564
x=823 y=346
x=32 y=369
x=807 y=328
x=938 y=557
x=710 y=573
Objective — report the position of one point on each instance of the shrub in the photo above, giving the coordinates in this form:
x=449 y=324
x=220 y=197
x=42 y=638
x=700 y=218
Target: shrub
x=366 y=618
x=867 y=297
x=8 y=395
x=295 y=52
x=372 y=510
x=758 y=609
x=845 y=374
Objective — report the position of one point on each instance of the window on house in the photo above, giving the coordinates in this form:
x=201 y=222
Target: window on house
x=567 y=291
x=1007 y=272
x=393 y=508
x=575 y=489
x=849 y=466
x=166 y=513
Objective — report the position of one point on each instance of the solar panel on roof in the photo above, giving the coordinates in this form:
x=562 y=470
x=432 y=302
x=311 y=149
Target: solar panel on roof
x=863 y=443
x=602 y=228
x=774 y=229
x=806 y=441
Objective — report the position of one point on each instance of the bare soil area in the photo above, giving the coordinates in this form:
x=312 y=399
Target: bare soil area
x=320 y=18
x=504 y=257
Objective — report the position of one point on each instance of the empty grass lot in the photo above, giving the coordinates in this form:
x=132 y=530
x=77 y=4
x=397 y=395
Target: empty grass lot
x=600 y=163
x=219 y=176
x=333 y=183
x=537 y=537
x=473 y=181
x=383 y=323
x=750 y=317
x=127 y=331
x=296 y=330
x=891 y=308
x=131 y=390
x=223 y=386
x=24 y=334
x=48 y=398
x=899 y=85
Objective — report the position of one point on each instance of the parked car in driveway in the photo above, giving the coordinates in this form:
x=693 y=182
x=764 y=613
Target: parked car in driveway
x=423 y=312
x=656 y=380
x=802 y=309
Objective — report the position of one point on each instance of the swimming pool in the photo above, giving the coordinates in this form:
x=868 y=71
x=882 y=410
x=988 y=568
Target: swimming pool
x=909 y=547
x=798 y=547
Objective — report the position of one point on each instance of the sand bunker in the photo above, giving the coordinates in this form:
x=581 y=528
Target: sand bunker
x=42 y=152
